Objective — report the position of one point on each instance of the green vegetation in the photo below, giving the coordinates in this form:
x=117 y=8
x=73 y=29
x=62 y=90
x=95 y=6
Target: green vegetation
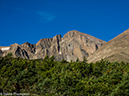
x=54 y=78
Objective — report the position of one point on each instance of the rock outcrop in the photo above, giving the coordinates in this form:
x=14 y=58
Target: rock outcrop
x=17 y=51
x=73 y=45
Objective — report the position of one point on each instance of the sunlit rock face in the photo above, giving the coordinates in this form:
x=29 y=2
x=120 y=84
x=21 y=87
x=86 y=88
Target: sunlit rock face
x=73 y=45
x=76 y=44
x=117 y=49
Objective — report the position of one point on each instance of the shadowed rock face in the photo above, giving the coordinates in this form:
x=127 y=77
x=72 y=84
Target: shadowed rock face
x=17 y=51
x=1 y=53
x=73 y=44
x=116 y=49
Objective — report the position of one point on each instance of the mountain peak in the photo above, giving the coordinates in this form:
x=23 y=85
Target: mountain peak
x=71 y=33
x=15 y=44
x=74 y=33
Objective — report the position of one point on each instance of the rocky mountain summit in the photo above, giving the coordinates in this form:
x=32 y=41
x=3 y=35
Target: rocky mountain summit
x=73 y=45
x=116 y=49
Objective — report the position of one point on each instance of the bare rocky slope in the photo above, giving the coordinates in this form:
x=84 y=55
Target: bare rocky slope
x=73 y=44
x=116 y=49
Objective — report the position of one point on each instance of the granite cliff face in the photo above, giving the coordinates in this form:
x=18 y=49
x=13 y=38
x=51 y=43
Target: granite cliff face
x=76 y=44
x=73 y=44
x=116 y=49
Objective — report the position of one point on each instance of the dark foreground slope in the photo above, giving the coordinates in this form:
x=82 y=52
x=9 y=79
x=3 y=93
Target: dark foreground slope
x=116 y=49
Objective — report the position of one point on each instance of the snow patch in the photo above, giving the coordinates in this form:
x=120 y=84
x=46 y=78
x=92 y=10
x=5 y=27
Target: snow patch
x=5 y=48
x=60 y=52
x=62 y=40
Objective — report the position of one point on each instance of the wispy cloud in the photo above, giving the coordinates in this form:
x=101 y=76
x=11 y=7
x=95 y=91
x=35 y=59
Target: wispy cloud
x=42 y=16
x=45 y=17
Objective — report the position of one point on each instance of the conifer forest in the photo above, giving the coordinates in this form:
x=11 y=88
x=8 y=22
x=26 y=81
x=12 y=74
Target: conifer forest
x=47 y=77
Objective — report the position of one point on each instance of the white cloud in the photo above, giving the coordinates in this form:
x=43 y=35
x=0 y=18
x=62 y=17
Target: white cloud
x=45 y=17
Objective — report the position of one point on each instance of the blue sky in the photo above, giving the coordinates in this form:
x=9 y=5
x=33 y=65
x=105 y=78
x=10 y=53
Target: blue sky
x=31 y=20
